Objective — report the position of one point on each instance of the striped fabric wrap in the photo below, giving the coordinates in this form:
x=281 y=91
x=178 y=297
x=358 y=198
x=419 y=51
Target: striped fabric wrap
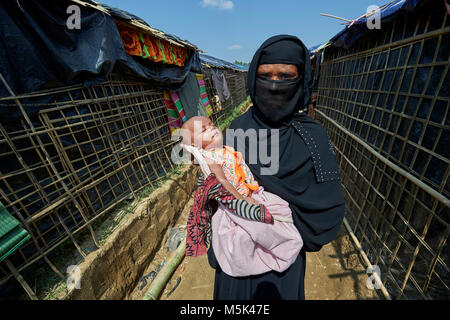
x=239 y=207
x=173 y=114
x=176 y=100
x=198 y=226
x=203 y=94
x=175 y=111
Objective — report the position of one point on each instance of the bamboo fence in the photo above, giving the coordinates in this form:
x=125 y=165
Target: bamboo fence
x=384 y=103
x=70 y=161
x=237 y=84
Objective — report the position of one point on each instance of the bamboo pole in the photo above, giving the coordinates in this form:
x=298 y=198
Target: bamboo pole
x=55 y=171
x=438 y=196
x=146 y=148
x=163 y=276
x=21 y=280
x=40 y=190
x=33 y=238
x=392 y=45
x=366 y=260
x=336 y=17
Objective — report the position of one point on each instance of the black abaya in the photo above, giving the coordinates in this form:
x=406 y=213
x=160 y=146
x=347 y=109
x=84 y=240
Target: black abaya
x=308 y=178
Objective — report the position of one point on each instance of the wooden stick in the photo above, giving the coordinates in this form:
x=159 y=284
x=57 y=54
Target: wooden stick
x=33 y=238
x=366 y=259
x=21 y=280
x=331 y=16
x=55 y=171
x=164 y=274
x=392 y=165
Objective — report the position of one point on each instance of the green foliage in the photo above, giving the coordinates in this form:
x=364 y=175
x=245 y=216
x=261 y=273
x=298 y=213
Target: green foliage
x=245 y=64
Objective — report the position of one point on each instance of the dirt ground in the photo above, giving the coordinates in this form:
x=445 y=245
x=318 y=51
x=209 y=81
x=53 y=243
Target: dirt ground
x=334 y=273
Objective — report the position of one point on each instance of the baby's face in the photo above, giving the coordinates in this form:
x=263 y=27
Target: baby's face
x=206 y=134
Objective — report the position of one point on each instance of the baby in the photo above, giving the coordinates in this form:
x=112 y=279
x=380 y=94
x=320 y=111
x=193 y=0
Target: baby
x=242 y=244
x=223 y=161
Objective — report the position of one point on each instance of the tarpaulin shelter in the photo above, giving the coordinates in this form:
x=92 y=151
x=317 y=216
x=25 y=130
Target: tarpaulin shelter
x=384 y=100
x=234 y=81
x=83 y=119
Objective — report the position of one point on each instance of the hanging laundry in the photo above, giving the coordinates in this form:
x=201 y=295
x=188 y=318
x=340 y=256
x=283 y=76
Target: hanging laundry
x=203 y=94
x=221 y=86
x=194 y=98
x=226 y=91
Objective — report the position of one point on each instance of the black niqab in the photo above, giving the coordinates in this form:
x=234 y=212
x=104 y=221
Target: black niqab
x=308 y=178
x=280 y=50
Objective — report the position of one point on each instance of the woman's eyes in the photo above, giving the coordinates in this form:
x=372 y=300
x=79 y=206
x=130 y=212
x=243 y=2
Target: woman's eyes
x=286 y=76
x=264 y=75
x=281 y=76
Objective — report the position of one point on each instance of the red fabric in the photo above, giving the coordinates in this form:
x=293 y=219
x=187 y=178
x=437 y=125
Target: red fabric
x=141 y=44
x=199 y=220
x=198 y=224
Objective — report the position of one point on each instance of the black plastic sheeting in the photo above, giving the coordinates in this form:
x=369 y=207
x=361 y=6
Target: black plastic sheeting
x=123 y=15
x=220 y=63
x=348 y=36
x=38 y=52
x=42 y=53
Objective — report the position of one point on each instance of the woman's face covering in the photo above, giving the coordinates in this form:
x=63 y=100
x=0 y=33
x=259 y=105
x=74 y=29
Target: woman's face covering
x=277 y=71
x=275 y=86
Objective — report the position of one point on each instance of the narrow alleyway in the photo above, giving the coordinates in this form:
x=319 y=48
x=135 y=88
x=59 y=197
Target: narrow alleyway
x=334 y=273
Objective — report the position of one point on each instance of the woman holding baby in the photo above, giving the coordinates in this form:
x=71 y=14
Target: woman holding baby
x=301 y=205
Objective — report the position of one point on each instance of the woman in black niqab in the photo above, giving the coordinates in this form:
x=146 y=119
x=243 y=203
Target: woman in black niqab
x=308 y=176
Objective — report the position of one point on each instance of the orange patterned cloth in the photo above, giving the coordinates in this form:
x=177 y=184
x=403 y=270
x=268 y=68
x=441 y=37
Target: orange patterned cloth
x=137 y=43
x=235 y=169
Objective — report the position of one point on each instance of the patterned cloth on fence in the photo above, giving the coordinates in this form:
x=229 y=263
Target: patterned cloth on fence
x=12 y=235
x=198 y=225
x=137 y=43
x=234 y=167
x=175 y=111
x=203 y=94
x=191 y=98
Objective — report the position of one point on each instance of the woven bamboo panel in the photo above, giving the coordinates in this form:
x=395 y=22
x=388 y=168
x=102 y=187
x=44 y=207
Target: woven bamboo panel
x=89 y=149
x=385 y=105
x=237 y=85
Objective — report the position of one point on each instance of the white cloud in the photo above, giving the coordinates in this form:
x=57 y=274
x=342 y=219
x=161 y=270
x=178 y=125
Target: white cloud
x=221 y=4
x=235 y=47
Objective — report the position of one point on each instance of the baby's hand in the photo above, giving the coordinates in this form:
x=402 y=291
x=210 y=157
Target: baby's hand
x=251 y=200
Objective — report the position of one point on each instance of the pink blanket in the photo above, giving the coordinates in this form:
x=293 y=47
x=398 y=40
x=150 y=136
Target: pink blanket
x=244 y=247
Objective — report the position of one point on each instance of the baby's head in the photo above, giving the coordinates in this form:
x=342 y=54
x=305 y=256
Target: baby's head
x=201 y=132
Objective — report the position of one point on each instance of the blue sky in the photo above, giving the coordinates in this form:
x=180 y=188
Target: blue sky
x=234 y=29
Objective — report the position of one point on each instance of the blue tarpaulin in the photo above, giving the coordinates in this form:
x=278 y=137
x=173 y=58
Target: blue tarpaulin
x=40 y=52
x=346 y=37
x=220 y=63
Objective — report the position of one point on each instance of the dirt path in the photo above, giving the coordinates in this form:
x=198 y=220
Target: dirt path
x=334 y=273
